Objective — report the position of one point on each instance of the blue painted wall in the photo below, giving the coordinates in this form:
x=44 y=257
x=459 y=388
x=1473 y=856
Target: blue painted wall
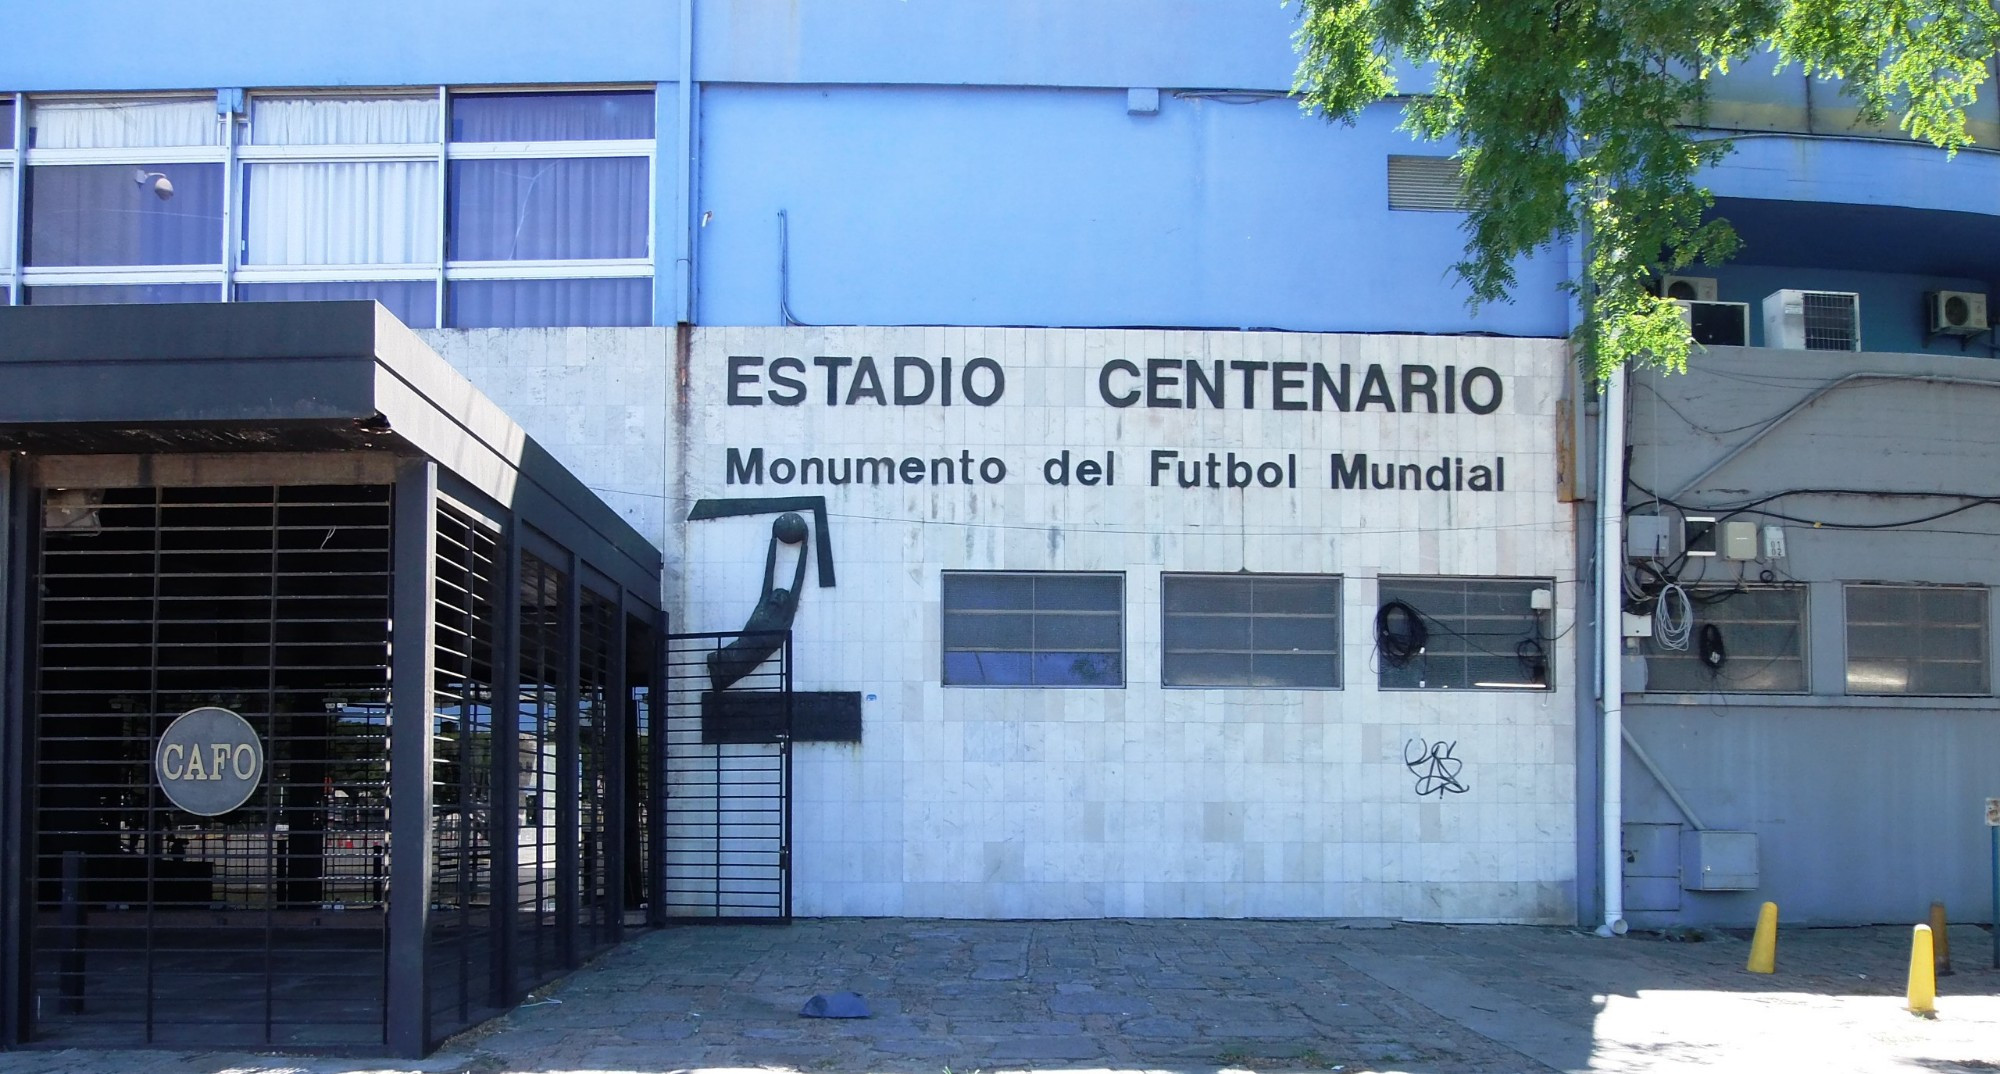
x=200 y=44
x=1056 y=207
x=1234 y=44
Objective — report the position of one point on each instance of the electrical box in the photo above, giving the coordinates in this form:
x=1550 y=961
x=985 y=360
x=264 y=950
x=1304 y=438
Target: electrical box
x=1541 y=600
x=1636 y=626
x=1739 y=540
x=1719 y=861
x=1652 y=868
x=1774 y=541
x=1698 y=535
x=1646 y=537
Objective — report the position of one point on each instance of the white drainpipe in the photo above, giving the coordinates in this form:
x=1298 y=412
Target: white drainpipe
x=1610 y=635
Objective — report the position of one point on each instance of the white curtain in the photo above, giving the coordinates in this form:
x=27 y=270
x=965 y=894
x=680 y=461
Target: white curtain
x=123 y=124
x=337 y=121
x=374 y=213
x=6 y=217
x=348 y=213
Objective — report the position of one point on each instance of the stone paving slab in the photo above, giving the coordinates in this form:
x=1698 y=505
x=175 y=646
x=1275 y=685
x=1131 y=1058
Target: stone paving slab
x=1200 y=997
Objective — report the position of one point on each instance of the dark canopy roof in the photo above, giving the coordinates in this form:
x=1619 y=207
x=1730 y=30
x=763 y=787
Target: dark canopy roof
x=286 y=376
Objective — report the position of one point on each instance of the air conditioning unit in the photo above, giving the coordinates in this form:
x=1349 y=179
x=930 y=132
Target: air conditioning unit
x=1957 y=313
x=1717 y=324
x=1813 y=320
x=1688 y=288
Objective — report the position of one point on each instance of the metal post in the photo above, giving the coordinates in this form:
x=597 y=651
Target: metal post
x=17 y=859
x=1993 y=833
x=411 y=674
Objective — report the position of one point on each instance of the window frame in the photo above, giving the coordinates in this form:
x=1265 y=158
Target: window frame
x=1543 y=635
x=236 y=154
x=1803 y=634
x=27 y=158
x=945 y=650
x=1333 y=613
x=1848 y=623
x=13 y=176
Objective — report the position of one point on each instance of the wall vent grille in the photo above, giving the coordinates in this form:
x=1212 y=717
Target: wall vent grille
x=1426 y=184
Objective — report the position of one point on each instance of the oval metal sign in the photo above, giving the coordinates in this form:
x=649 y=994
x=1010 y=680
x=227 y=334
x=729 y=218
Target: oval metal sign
x=209 y=761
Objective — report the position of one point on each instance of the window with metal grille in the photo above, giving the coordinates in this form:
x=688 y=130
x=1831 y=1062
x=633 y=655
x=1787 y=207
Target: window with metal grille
x=257 y=927
x=544 y=672
x=1462 y=634
x=1033 y=629
x=1250 y=630
x=463 y=910
x=1427 y=184
x=1759 y=632
x=597 y=632
x=1908 y=639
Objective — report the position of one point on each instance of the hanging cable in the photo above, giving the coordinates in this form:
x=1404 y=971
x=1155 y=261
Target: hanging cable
x=1673 y=618
x=1400 y=633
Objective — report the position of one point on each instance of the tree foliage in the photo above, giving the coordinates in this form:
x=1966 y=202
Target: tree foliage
x=1583 y=118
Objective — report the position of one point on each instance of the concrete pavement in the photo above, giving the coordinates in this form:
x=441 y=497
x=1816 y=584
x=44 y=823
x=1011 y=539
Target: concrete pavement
x=1203 y=996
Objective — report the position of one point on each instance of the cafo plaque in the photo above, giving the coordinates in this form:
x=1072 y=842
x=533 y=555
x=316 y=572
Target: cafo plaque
x=209 y=761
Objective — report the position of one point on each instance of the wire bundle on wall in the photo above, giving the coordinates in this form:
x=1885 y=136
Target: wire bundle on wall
x=1673 y=618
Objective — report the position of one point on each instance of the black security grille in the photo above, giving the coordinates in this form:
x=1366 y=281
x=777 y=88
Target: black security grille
x=461 y=949
x=262 y=926
x=597 y=628
x=726 y=836
x=538 y=943
x=642 y=794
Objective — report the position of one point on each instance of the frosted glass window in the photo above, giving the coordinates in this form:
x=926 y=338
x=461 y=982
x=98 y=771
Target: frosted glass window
x=545 y=210
x=413 y=302
x=342 y=121
x=341 y=213
x=1250 y=630
x=7 y=216
x=123 y=123
x=124 y=292
x=113 y=214
x=550 y=117
x=1762 y=631
x=1904 y=639
x=1461 y=634
x=541 y=303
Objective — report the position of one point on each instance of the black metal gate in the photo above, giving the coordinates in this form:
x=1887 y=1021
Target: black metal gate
x=727 y=832
x=263 y=926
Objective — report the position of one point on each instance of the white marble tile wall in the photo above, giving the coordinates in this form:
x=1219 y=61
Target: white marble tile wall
x=1146 y=801
x=1137 y=801
x=597 y=398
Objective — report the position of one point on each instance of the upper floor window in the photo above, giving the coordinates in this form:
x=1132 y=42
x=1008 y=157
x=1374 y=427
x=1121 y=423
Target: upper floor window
x=1250 y=630
x=473 y=210
x=1910 y=639
x=1463 y=633
x=1739 y=640
x=1040 y=628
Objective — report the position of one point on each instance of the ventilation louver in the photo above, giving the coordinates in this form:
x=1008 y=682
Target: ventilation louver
x=1433 y=184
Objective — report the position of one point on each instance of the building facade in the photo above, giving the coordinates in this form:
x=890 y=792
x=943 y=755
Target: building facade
x=1176 y=540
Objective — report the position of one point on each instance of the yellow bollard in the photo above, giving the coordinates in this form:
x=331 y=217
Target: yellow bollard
x=1923 y=985
x=1941 y=936
x=1764 y=945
